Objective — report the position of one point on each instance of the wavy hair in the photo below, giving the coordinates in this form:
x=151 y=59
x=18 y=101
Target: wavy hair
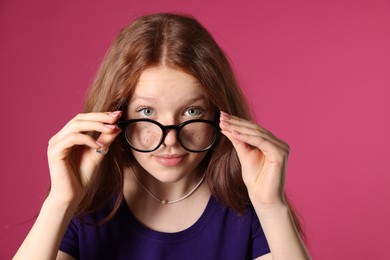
x=179 y=42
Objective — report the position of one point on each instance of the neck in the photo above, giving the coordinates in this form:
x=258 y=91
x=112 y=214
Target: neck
x=168 y=190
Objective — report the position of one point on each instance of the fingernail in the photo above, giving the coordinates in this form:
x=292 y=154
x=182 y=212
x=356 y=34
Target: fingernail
x=114 y=114
x=225 y=115
x=100 y=144
x=110 y=126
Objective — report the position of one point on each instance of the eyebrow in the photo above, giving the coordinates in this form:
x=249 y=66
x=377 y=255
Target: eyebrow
x=143 y=98
x=154 y=99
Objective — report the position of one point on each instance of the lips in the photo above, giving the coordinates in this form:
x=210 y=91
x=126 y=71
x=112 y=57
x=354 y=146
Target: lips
x=169 y=159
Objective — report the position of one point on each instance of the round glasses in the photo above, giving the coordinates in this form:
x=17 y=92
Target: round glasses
x=146 y=135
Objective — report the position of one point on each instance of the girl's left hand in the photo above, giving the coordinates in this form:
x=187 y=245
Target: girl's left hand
x=263 y=159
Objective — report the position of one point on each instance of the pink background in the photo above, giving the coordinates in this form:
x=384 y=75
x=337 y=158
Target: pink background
x=316 y=72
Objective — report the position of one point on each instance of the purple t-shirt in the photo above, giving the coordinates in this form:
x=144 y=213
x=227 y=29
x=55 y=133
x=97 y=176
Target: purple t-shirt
x=219 y=233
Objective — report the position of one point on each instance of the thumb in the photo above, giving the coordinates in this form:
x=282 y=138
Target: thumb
x=88 y=167
x=241 y=147
x=105 y=140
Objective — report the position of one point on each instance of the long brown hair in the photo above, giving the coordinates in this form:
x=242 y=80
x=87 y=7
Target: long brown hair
x=180 y=42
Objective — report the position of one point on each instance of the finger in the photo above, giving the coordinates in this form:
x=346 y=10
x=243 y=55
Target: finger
x=233 y=120
x=88 y=126
x=241 y=126
x=275 y=152
x=238 y=121
x=241 y=147
x=105 y=117
x=102 y=117
x=245 y=152
x=81 y=128
x=106 y=139
x=61 y=147
x=99 y=122
x=252 y=137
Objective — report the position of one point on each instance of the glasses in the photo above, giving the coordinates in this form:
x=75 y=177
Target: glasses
x=146 y=135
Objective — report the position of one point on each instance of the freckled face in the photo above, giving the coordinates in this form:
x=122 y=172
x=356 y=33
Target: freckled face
x=170 y=97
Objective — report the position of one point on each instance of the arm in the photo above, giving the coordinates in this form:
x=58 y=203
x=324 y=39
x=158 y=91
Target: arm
x=67 y=183
x=263 y=159
x=64 y=256
x=282 y=236
x=44 y=238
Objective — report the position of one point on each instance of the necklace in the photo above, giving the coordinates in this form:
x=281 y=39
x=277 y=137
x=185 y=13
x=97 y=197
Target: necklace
x=165 y=202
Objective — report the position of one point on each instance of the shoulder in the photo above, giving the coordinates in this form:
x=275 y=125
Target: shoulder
x=221 y=209
x=233 y=222
x=239 y=232
x=107 y=211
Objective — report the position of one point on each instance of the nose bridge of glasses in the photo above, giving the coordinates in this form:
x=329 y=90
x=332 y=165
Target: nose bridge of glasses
x=168 y=131
x=168 y=127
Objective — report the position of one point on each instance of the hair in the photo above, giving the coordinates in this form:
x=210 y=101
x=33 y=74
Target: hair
x=179 y=42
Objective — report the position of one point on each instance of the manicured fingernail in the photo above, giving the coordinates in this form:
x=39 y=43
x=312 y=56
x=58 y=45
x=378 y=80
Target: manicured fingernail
x=224 y=113
x=100 y=144
x=110 y=126
x=225 y=116
x=114 y=114
x=225 y=123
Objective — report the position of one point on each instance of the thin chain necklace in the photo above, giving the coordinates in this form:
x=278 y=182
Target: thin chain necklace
x=165 y=202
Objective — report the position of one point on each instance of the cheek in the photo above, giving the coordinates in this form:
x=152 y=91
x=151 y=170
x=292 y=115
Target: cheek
x=194 y=159
x=143 y=159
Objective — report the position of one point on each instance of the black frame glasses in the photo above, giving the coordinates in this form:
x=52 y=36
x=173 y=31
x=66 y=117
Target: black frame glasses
x=164 y=128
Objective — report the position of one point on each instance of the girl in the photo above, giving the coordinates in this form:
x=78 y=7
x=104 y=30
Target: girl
x=176 y=169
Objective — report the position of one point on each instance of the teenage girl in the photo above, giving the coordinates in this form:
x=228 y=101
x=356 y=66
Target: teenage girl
x=166 y=161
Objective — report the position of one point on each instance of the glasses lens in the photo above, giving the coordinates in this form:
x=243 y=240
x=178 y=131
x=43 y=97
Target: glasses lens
x=198 y=136
x=143 y=136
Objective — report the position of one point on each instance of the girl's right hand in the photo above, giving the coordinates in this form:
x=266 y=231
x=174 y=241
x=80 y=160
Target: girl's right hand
x=70 y=179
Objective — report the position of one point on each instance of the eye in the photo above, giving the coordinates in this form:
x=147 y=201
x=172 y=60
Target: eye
x=194 y=112
x=146 y=111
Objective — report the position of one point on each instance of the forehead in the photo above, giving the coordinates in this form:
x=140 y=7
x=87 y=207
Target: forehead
x=160 y=82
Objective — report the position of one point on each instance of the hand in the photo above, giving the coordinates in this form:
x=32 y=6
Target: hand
x=68 y=178
x=263 y=159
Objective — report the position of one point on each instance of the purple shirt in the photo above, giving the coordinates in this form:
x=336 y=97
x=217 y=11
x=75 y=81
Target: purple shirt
x=219 y=233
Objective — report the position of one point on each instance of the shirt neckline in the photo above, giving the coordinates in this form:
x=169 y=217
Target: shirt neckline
x=166 y=237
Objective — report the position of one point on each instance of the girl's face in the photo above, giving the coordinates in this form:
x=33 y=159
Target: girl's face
x=170 y=97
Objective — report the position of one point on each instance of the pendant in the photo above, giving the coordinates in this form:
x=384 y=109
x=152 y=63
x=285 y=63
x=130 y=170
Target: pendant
x=164 y=202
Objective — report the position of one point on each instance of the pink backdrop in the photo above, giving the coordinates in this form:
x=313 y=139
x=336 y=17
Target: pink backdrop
x=316 y=72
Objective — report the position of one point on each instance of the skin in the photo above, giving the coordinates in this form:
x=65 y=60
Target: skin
x=263 y=159
x=169 y=97
x=165 y=95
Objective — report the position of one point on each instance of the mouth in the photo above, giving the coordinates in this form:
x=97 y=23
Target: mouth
x=169 y=159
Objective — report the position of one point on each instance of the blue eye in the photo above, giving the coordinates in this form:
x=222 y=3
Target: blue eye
x=146 y=111
x=194 y=111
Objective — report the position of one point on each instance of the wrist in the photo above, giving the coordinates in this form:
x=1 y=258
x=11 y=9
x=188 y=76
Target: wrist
x=54 y=204
x=268 y=202
x=271 y=208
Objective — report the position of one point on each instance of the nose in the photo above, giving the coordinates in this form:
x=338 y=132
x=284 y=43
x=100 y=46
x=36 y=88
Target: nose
x=171 y=138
